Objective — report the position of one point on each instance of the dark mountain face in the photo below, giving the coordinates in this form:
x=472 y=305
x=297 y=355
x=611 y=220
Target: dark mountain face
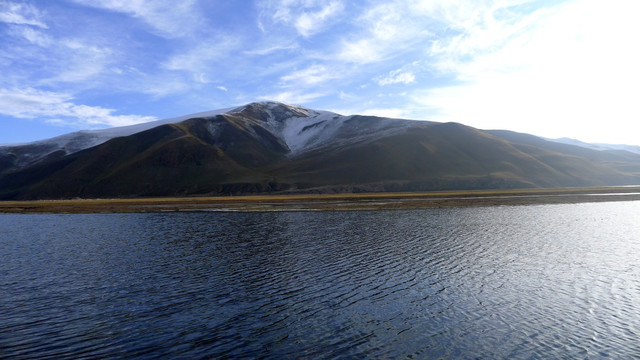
x=270 y=147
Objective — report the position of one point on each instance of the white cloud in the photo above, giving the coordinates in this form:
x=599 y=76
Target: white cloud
x=292 y=97
x=21 y=14
x=385 y=112
x=201 y=78
x=462 y=14
x=397 y=77
x=271 y=49
x=386 y=31
x=567 y=71
x=309 y=23
x=362 y=51
x=29 y=103
x=60 y=58
x=313 y=75
x=77 y=62
x=222 y=88
x=35 y=37
x=479 y=29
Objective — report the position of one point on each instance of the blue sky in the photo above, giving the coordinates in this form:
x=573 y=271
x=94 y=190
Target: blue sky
x=550 y=68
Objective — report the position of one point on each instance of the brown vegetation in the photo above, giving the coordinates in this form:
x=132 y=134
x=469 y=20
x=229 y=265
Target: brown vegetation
x=327 y=202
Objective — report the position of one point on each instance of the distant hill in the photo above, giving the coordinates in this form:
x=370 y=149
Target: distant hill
x=272 y=147
x=599 y=146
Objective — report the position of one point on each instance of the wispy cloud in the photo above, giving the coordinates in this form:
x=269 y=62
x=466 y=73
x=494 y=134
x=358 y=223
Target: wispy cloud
x=21 y=14
x=201 y=64
x=362 y=51
x=161 y=86
x=386 y=31
x=34 y=37
x=478 y=29
x=167 y=17
x=313 y=75
x=199 y=57
x=77 y=62
x=539 y=72
x=524 y=65
x=399 y=76
x=54 y=107
x=42 y=56
x=385 y=112
x=271 y=49
x=308 y=17
x=309 y=23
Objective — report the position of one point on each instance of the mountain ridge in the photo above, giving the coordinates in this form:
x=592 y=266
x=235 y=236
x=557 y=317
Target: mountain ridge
x=273 y=147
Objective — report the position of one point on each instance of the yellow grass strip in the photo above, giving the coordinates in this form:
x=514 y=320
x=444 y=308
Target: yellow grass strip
x=365 y=201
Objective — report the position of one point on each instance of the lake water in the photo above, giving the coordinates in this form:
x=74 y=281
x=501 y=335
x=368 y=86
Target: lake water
x=549 y=281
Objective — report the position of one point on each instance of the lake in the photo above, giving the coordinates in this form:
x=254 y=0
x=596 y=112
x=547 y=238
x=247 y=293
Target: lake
x=539 y=281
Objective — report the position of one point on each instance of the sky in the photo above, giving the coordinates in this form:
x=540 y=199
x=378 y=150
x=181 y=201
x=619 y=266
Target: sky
x=548 y=68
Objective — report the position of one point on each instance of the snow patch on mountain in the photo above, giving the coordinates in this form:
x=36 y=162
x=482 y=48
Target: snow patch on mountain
x=312 y=132
x=299 y=128
x=27 y=153
x=83 y=139
x=97 y=137
x=303 y=129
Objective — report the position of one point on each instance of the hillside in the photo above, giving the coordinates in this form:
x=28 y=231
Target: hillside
x=272 y=147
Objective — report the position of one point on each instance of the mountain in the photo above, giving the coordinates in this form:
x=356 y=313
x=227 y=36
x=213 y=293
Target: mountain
x=598 y=146
x=273 y=147
x=18 y=156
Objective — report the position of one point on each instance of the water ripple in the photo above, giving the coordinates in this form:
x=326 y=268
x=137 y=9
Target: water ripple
x=553 y=281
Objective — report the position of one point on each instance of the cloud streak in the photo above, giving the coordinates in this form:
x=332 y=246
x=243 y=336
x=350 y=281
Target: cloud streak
x=397 y=77
x=21 y=14
x=310 y=76
x=308 y=17
x=168 y=18
x=54 y=107
x=386 y=31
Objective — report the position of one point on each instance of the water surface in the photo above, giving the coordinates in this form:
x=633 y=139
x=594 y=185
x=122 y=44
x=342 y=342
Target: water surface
x=549 y=281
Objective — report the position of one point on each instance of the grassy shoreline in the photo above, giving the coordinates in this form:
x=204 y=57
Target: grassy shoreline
x=328 y=202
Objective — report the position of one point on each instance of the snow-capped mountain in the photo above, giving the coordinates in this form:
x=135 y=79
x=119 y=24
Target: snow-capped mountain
x=273 y=147
x=29 y=153
x=301 y=129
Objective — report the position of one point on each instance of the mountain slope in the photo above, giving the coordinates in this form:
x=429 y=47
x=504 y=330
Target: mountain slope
x=597 y=163
x=181 y=158
x=267 y=147
x=598 y=146
x=14 y=157
x=448 y=156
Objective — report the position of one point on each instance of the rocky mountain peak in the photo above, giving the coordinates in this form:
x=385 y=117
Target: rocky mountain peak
x=271 y=111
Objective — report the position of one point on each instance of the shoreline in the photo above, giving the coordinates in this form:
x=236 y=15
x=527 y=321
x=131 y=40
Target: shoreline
x=327 y=202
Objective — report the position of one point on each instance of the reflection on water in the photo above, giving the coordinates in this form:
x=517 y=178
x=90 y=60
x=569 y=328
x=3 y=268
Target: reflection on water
x=496 y=282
